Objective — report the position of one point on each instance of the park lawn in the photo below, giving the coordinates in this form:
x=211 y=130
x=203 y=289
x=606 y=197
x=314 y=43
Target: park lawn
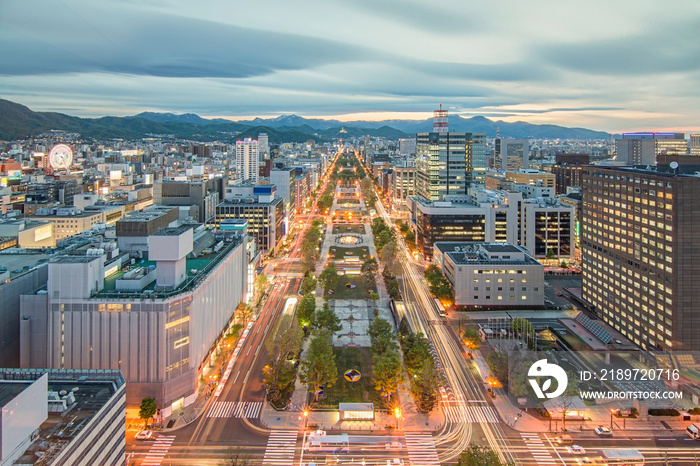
x=339 y=253
x=349 y=228
x=359 y=292
x=342 y=391
x=347 y=200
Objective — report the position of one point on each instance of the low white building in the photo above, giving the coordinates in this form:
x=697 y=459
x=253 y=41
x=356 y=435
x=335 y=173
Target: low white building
x=496 y=275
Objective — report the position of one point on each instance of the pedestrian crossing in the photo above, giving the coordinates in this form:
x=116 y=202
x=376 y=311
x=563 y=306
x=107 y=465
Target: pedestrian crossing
x=421 y=449
x=281 y=445
x=236 y=409
x=537 y=449
x=158 y=450
x=473 y=414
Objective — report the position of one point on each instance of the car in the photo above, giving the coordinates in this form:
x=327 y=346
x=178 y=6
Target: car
x=563 y=439
x=394 y=462
x=602 y=431
x=144 y=435
x=576 y=450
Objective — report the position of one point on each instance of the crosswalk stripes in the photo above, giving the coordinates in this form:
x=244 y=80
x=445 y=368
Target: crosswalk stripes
x=421 y=449
x=158 y=450
x=473 y=414
x=537 y=449
x=236 y=409
x=281 y=445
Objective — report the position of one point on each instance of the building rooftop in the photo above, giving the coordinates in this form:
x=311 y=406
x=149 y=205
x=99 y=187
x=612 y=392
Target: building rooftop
x=85 y=393
x=467 y=253
x=8 y=391
x=491 y=247
x=172 y=231
x=75 y=259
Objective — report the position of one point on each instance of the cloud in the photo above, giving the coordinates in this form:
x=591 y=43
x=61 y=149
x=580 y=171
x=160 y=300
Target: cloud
x=145 y=43
x=660 y=49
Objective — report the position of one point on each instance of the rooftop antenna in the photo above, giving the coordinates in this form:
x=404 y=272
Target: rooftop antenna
x=440 y=120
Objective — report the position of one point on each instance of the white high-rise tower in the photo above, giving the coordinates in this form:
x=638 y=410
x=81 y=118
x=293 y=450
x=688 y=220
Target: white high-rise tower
x=247 y=161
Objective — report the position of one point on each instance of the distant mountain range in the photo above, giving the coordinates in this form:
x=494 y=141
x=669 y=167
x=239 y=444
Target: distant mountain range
x=18 y=122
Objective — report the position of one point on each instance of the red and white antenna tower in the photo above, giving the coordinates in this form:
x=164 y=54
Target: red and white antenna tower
x=498 y=132
x=440 y=120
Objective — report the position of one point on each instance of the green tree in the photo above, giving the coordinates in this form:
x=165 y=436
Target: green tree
x=387 y=373
x=499 y=365
x=551 y=254
x=309 y=256
x=306 y=310
x=308 y=284
x=369 y=271
x=389 y=257
x=471 y=337
x=282 y=345
x=526 y=330
x=404 y=327
x=425 y=386
x=318 y=367
x=393 y=289
x=416 y=350
x=329 y=277
x=326 y=320
x=261 y=284
x=147 y=410
x=381 y=336
x=432 y=274
x=480 y=455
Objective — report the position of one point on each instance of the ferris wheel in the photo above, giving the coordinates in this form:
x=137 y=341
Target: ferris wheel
x=60 y=157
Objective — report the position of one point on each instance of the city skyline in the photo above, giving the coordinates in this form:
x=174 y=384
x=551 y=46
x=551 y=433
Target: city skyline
x=613 y=69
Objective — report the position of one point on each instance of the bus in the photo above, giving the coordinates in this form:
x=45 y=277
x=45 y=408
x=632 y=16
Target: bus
x=441 y=308
x=693 y=431
x=626 y=457
x=319 y=442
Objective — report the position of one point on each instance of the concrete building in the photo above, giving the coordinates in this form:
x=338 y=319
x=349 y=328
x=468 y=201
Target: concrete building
x=62 y=418
x=512 y=154
x=403 y=184
x=247 y=161
x=205 y=195
x=69 y=221
x=285 y=180
x=532 y=177
x=643 y=148
x=30 y=234
x=133 y=231
x=541 y=224
x=491 y=275
x=19 y=274
x=641 y=261
x=694 y=145
x=407 y=146
x=447 y=163
x=264 y=146
x=261 y=206
x=156 y=321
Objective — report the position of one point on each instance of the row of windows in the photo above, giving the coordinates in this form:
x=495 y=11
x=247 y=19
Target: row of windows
x=500 y=298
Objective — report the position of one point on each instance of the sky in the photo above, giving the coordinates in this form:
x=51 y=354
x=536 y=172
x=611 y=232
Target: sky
x=610 y=65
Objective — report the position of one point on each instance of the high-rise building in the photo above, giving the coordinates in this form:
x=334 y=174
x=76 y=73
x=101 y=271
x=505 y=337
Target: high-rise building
x=641 y=263
x=643 y=148
x=407 y=146
x=263 y=146
x=448 y=163
x=247 y=161
x=512 y=154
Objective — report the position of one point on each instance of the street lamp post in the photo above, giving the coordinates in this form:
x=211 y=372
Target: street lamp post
x=397 y=413
x=611 y=419
x=306 y=417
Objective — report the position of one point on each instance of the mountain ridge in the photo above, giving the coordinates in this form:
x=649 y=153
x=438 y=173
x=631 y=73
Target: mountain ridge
x=18 y=121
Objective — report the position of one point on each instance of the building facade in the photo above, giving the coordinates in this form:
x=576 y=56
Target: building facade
x=643 y=148
x=491 y=275
x=641 y=263
x=156 y=323
x=447 y=163
x=247 y=161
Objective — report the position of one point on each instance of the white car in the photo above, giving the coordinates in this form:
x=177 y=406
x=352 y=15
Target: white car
x=576 y=450
x=394 y=462
x=603 y=431
x=144 y=435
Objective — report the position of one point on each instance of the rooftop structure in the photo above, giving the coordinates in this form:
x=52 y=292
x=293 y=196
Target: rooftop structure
x=62 y=417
